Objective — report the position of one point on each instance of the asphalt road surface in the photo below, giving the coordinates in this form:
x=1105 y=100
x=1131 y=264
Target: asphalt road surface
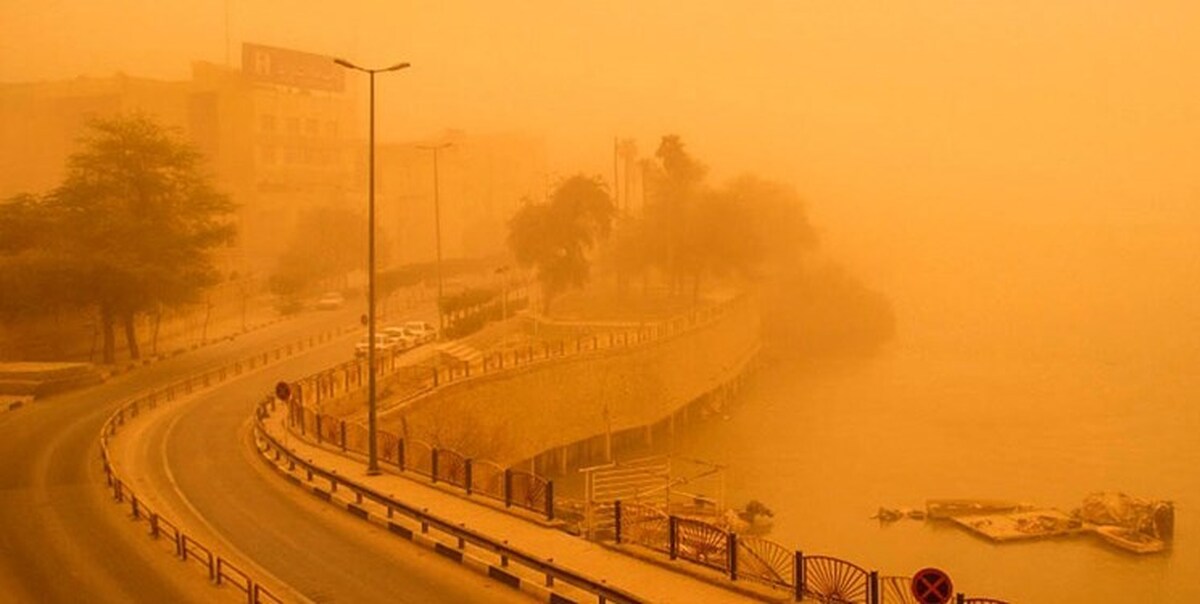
x=62 y=539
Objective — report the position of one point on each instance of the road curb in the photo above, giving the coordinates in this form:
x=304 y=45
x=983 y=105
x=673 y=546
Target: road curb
x=418 y=536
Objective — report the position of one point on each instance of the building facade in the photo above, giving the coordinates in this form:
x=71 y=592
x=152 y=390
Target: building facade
x=280 y=135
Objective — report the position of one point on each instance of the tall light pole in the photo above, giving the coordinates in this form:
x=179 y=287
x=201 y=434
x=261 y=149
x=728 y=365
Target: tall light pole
x=437 y=228
x=372 y=448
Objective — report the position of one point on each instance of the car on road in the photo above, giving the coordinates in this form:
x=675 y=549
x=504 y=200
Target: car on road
x=401 y=337
x=421 y=331
x=383 y=344
x=331 y=301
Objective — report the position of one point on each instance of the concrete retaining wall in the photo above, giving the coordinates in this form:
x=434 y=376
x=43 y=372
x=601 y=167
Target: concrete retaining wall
x=527 y=411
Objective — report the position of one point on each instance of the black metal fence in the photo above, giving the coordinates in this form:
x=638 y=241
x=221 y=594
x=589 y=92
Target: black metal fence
x=463 y=536
x=185 y=547
x=821 y=578
x=516 y=488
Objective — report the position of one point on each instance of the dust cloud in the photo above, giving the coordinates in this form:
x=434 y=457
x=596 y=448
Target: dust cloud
x=994 y=203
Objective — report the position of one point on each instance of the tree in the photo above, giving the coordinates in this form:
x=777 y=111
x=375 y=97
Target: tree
x=328 y=242
x=555 y=237
x=132 y=226
x=675 y=185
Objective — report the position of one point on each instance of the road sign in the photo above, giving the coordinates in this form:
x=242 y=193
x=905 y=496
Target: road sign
x=932 y=586
x=283 y=390
x=364 y=319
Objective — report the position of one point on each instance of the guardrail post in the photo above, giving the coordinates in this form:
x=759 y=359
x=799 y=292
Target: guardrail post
x=180 y=545
x=672 y=534
x=433 y=464
x=873 y=587
x=342 y=430
x=154 y=525
x=731 y=550
x=617 y=521
x=133 y=506
x=549 y=500
x=400 y=453
x=508 y=487
x=960 y=599
x=798 y=575
x=435 y=376
x=319 y=441
x=467 y=474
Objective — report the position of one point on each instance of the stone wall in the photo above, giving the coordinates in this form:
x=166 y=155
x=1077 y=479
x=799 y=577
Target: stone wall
x=523 y=412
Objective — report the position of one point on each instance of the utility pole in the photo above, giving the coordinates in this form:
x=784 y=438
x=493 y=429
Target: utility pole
x=437 y=227
x=616 y=187
x=372 y=447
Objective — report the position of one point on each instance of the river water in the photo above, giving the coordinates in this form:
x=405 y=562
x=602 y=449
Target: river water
x=991 y=390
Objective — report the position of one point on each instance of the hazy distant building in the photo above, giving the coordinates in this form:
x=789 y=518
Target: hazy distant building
x=284 y=133
x=281 y=134
x=484 y=179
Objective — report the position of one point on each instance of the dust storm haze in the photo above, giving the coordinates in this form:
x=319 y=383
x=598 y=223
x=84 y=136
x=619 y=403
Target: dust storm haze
x=1001 y=299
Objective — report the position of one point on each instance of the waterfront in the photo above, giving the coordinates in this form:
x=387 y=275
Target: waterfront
x=989 y=393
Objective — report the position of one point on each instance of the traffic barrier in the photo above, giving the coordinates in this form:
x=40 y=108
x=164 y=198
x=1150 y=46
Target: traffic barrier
x=220 y=569
x=460 y=536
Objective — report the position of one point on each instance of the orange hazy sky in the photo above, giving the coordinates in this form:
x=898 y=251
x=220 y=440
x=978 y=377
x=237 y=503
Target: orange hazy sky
x=1075 y=110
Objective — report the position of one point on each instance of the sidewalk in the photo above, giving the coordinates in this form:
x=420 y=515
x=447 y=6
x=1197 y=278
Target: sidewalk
x=652 y=581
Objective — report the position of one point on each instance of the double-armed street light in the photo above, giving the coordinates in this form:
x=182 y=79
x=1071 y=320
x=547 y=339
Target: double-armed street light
x=372 y=448
x=437 y=227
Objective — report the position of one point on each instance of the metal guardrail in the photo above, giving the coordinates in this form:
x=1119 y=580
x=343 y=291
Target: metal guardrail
x=351 y=376
x=823 y=578
x=514 y=487
x=520 y=488
x=220 y=569
x=506 y=553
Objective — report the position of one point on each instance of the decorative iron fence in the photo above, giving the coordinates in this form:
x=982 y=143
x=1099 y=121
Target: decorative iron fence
x=896 y=590
x=764 y=561
x=811 y=578
x=829 y=579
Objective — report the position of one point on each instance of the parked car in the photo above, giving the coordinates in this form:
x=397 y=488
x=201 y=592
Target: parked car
x=401 y=337
x=420 y=331
x=383 y=344
x=331 y=301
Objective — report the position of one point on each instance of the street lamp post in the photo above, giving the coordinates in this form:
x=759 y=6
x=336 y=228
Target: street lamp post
x=372 y=447
x=437 y=227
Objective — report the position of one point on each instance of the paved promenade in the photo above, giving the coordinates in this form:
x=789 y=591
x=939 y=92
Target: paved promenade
x=655 y=582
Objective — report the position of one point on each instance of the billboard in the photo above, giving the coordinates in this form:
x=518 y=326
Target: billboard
x=284 y=67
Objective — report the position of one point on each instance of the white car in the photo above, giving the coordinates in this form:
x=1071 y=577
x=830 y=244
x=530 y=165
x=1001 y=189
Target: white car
x=383 y=344
x=330 y=301
x=420 y=331
x=401 y=337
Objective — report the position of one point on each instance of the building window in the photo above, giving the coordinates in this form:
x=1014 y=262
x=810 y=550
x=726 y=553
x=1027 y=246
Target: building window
x=293 y=125
x=310 y=127
x=266 y=123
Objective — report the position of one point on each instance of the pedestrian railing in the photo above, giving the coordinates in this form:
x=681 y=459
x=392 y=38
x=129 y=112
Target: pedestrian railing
x=421 y=380
x=220 y=570
x=271 y=448
x=516 y=488
x=820 y=578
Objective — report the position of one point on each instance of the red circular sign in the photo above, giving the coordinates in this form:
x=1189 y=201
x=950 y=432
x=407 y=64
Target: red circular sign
x=932 y=586
x=283 y=390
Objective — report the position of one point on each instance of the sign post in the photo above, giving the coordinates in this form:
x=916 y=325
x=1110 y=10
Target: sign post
x=932 y=586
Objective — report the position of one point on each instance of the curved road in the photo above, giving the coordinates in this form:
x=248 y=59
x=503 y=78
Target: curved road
x=62 y=539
